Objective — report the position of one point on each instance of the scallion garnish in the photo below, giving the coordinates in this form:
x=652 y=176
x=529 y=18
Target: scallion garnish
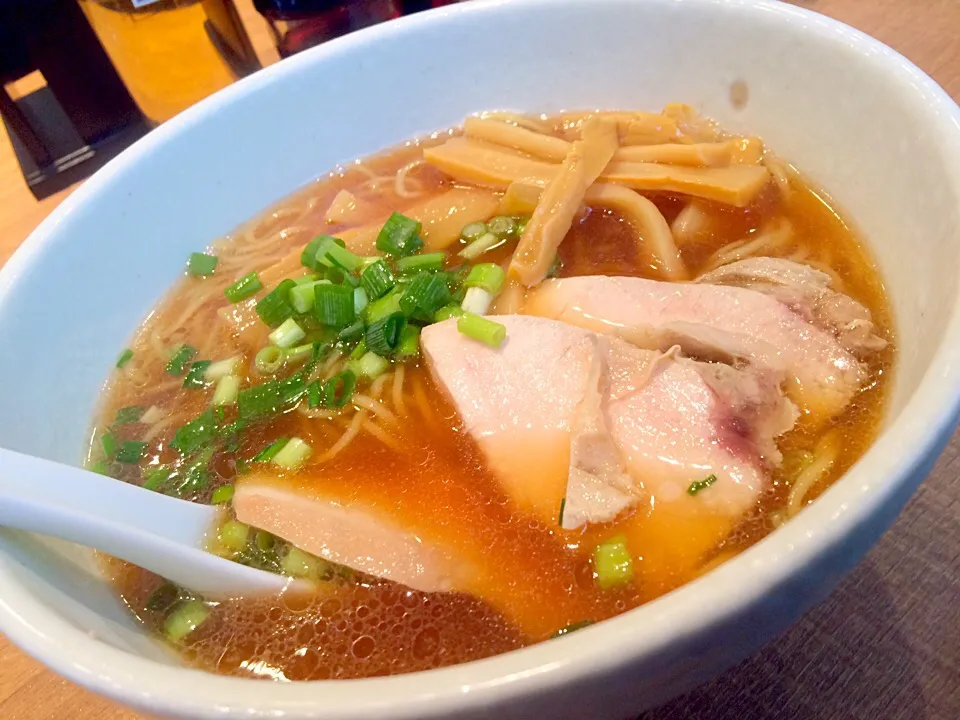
x=268 y=453
x=196 y=375
x=476 y=301
x=409 y=345
x=293 y=388
x=338 y=390
x=431 y=262
x=163 y=598
x=351 y=332
x=377 y=280
x=482 y=244
x=101 y=467
x=259 y=400
x=387 y=305
x=222 y=494
x=226 y=391
x=370 y=366
x=196 y=433
x=288 y=334
x=131 y=451
x=108 y=441
x=221 y=368
x=179 y=359
x=234 y=535
x=426 y=293
x=316 y=254
x=399 y=236
x=383 y=336
x=275 y=307
x=612 y=564
x=201 y=264
x=699 y=485
x=487 y=276
x=292 y=455
x=333 y=305
x=341 y=258
x=479 y=328
x=447 y=311
x=129 y=415
x=184 y=619
x=124 y=358
x=243 y=288
x=314 y=394
x=360 y=300
x=268 y=360
x=301 y=296
x=473 y=230
x=156 y=478
x=502 y=226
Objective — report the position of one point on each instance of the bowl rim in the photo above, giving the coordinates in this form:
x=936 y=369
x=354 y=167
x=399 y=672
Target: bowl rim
x=901 y=449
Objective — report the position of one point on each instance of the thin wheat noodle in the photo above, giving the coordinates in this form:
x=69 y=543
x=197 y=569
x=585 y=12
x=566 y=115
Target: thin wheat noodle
x=353 y=429
x=371 y=427
x=158 y=427
x=398 y=403
x=377 y=387
x=825 y=455
x=423 y=403
x=374 y=408
x=400 y=180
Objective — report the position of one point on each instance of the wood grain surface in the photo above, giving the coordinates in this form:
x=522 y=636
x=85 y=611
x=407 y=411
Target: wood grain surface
x=902 y=663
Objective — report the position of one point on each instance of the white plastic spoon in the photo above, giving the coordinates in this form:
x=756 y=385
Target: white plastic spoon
x=159 y=533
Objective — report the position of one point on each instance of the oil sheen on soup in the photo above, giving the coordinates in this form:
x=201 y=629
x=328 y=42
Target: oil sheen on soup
x=495 y=385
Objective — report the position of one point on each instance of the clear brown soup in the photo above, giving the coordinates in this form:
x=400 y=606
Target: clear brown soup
x=359 y=626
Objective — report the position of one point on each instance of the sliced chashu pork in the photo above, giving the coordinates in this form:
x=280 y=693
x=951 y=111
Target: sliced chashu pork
x=807 y=291
x=714 y=322
x=567 y=415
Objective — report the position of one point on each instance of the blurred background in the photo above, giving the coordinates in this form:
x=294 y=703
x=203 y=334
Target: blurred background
x=82 y=79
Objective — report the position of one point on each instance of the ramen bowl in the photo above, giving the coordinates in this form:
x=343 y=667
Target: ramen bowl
x=858 y=119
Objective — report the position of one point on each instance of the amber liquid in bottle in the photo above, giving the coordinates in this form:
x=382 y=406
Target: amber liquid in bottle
x=171 y=53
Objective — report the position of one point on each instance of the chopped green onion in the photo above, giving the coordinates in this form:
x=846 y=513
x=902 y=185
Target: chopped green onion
x=370 y=366
x=612 y=564
x=409 y=345
x=259 y=400
x=399 y=236
x=268 y=453
x=221 y=495
x=201 y=264
x=264 y=540
x=572 y=627
x=488 y=276
x=473 y=230
x=427 y=293
x=243 y=288
x=108 y=441
x=196 y=476
x=479 y=328
x=163 y=598
x=179 y=359
x=299 y=352
x=314 y=394
x=431 y=262
x=219 y=369
x=275 y=306
x=333 y=305
x=226 y=391
x=299 y=564
x=377 y=280
x=521 y=226
x=292 y=455
x=314 y=255
x=186 y=618
x=234 y=535
x=555 y=267
x=699 y=485
x=196 y=375
x=301 y=296
x=383 y=336
x=502 y=226
x=306 y=279
x=342 y=258
x=338 y=390
x=487 y=241
x=269 y=360
x=288 y=334
x=101 y=467
x=124 y=358
x=293 y=388
x=448 y=311
x=351 y=332
x=129 y=415
x=360 y=300
x=387 y=305
x=131 y=451
x=195 y=434
x=156 y=478
x=476 y=301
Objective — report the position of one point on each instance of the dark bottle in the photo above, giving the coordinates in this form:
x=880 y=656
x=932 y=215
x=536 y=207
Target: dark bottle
x=301 y=24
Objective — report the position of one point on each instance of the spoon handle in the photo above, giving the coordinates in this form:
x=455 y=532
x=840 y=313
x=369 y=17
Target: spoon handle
x=160 y=533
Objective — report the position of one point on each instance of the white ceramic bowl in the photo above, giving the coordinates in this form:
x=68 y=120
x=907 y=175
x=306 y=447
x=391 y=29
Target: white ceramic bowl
x=860 y=120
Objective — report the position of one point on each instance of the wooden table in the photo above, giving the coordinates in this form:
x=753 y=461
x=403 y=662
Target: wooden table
x=904 y=662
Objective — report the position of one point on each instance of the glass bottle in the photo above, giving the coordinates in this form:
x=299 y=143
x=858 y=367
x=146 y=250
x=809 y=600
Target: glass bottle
x=172 y=53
